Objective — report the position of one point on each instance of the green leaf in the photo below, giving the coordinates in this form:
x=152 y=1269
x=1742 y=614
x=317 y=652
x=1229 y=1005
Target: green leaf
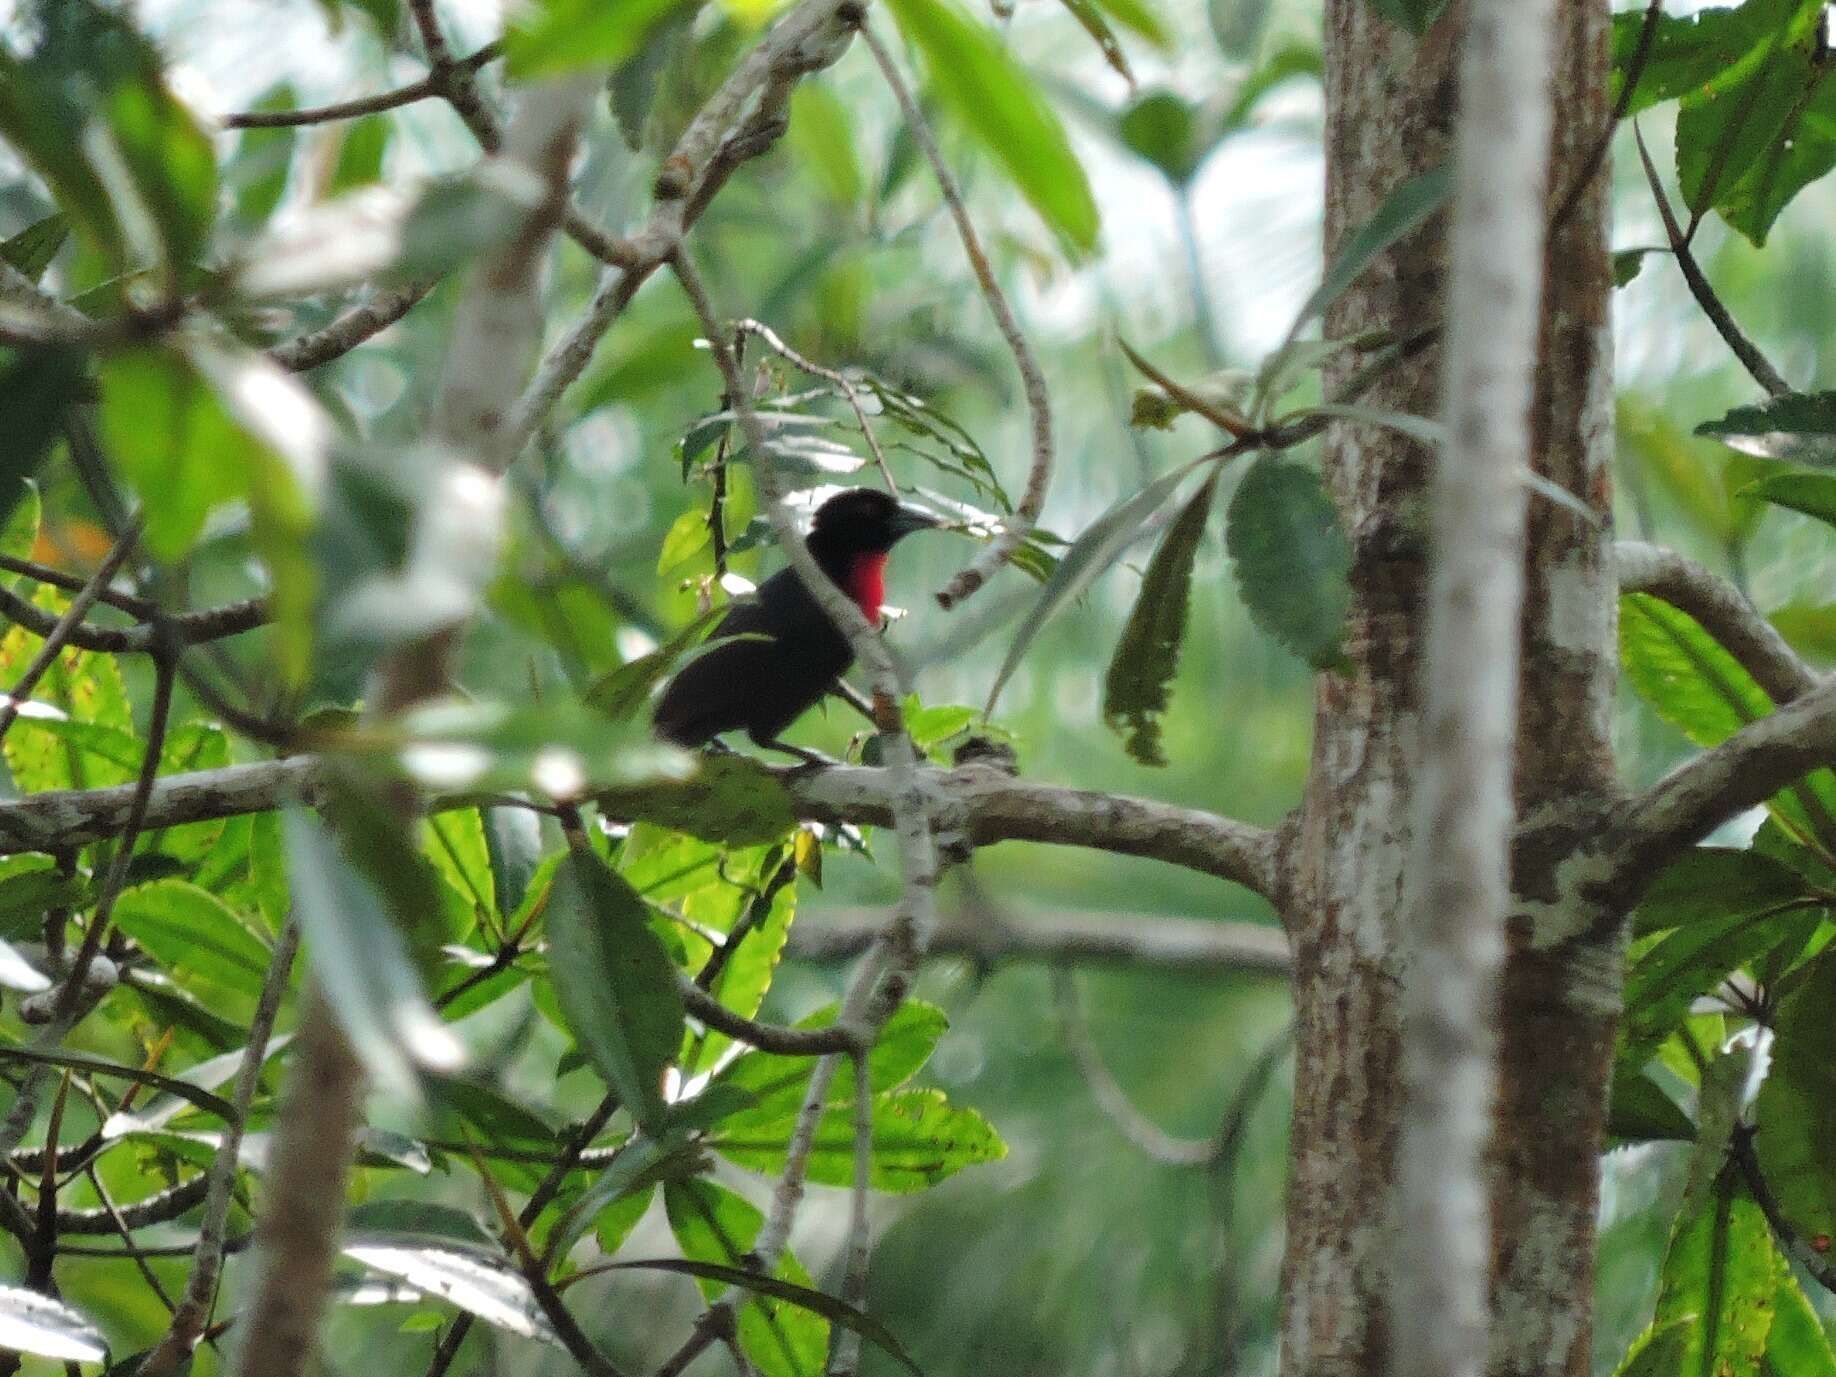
x=1707 y=54
x=1719 y=1270
x=919 y=1139
x=638 y=1166
x=1708 y=883
x=1093 y=552
x=257 y=173
x=199 y=941
x=1414 y=15
x=85 y=687
x=747 y=972
x=1798 y=426
x=1141 y=670
x=1695 y=684
x=357 y=953
x=455 y=840
x=36 y=388
x=167 y=155
x=96 y=1066
x=560 y=35
x=46 y=129
x=1238 y=25
x=35 y=1323
x=1164 y=129
x=716 y=1228
x=360 y=154
x=1813 y=494
x=1292 y=560
x=1139 y=16
x=1658 y=1352
x=1797 y=1343
x=779 y=1084
x=1796 y=1108
x=1091 y=19
x=614 y=980
x=32 y=249
x=980 y=82
x=422 y=1219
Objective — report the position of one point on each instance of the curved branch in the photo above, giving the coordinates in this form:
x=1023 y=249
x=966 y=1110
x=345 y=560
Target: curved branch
x=305 y=352
x=428 y=86
x=974 y=804
x=1744 y=771
x=1723 y=611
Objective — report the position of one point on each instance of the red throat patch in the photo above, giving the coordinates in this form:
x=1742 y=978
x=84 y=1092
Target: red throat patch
x=866 y=583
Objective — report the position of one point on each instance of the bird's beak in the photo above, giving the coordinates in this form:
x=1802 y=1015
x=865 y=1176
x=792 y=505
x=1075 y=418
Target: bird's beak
x=909 y=518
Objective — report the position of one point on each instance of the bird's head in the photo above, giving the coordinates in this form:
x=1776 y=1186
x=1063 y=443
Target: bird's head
x=865 y=520
x=852 y=532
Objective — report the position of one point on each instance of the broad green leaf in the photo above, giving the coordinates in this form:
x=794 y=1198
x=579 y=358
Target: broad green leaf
x=1164 y=128
x=480 y=1282
x=1414 y=15
x=1238 y=25
x=199 y=941
x=85 y=688
x=559 y=35
x=919 y=1139
x=1798 y=426
x=615 y=982
x=32 y=249
x=639 y=1165
x=1796 y=1108
x=1797 y=1343
x=455 y=840
x=357 y=952
x=423 y=1219
x=35 y=1323
x=1813 y=494
x=1697 y=686
x=981 y=83
x=1292 y=559
x=1707 y=55
x=1708 y=883
x=713 y=1225
x=25 y=895
x=618 y=1219
x=1720 y=1270
x=1809 y=627
x=1090 y=555
x=46 y=130
x=780 y=1083
x=1141 y=670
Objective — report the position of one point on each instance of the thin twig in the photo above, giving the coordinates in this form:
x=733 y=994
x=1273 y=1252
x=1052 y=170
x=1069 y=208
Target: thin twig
x=1757 y=365
x=767 y=1037
x=1019 y=524
x=63 y=629
x=137 y=607
x=830 y=375
x=193 y=1316
x=428 y=86
x=361 y=322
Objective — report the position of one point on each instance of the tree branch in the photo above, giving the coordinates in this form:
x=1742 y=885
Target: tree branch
x=359 y=323
x=1723 y=611
x=975 y=805
x=1682 y=808
x=427 y=87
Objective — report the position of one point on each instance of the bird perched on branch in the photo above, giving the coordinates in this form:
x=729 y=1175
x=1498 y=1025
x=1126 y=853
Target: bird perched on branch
x=780 y=652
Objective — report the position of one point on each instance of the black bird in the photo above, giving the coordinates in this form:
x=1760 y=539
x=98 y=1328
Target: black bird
x=764 y=685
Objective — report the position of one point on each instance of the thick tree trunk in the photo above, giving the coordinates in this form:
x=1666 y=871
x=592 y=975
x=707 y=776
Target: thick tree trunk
x=1390 y=113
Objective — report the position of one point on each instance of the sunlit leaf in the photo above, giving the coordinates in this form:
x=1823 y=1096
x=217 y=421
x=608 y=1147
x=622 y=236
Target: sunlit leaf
x=1798 y=426
x=558 y=35
x=35 y=1323
x=476 y=1281
x=1720 y=1271
x=1796 y=1109
x=919 y=1139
